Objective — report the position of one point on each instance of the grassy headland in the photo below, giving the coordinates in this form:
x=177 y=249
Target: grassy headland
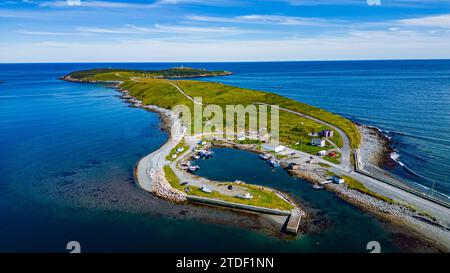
x=151 y=88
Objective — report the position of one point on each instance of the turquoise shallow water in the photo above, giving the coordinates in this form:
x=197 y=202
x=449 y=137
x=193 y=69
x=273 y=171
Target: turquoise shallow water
x=67 y=153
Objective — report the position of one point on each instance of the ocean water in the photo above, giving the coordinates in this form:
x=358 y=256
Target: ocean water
x=67 y=153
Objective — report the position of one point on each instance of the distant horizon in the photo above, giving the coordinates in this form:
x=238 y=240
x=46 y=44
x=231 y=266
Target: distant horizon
x=193 y=62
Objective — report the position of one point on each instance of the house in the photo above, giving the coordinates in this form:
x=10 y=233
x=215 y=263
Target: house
x=275 y=149
x=322 y=153
x=327 y=133
x=318 y=142
x=337 y=179
x=279 y=148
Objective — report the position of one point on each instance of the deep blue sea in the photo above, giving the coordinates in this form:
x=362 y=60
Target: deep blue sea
x=67 y=153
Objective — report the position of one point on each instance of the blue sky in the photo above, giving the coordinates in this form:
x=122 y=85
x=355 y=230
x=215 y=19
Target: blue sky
x=222 y=30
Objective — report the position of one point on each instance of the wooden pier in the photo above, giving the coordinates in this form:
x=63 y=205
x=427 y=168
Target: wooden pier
x=294 y=221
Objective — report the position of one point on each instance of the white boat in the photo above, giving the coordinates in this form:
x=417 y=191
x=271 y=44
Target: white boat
x=317 y=187
x=205 y=153
x=193 y=168
x=274 y=163
x=205 y=189
x=264 y=156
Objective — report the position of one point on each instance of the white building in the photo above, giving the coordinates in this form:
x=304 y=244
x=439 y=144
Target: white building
x=318 y=142
x=276 y=149
x=337 y=179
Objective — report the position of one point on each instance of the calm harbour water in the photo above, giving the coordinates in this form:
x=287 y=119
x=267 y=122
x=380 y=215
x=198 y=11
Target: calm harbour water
x=67 y=152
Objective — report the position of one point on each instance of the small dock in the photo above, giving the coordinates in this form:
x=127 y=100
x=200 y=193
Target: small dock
x=294 y=221
x=326 y=182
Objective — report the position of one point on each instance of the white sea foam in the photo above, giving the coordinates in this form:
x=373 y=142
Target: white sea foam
x=396 y=157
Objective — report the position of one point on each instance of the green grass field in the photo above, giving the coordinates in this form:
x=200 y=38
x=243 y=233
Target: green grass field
x=293 y=128
x=216 y=93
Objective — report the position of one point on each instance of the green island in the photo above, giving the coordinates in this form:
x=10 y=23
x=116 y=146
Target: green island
x=105 y=75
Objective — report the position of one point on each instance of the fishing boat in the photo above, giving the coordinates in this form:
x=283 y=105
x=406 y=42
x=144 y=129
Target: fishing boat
x=273 y=163
x=205 y=154
x=193 y=168
x=205 y=189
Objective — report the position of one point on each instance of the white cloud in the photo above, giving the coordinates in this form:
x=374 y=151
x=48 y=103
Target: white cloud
x=158 y=28
x=324 y=2
x=438 y=21
x=133 y=5
x=351 y=46
x=45 y=33
x=388 y=3
x=265 y=19
x=190 y=29
x=74 y=2
x=93 y=4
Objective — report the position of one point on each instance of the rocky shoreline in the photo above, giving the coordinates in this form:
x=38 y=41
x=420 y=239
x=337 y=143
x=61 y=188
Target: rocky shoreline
x=376 y=147
x=162 y=188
